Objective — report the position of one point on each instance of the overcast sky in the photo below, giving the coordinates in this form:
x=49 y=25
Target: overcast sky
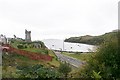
x=57 y=19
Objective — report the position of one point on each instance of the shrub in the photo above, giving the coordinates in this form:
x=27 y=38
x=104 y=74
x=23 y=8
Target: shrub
x=64 y=68
x=37 y=71
x=25 y=46
x=106 y=61
x=20 y=46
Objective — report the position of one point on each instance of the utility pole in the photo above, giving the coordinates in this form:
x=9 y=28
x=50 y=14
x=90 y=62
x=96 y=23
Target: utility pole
x=119 y=20
x=63 y=45
x=118 y=15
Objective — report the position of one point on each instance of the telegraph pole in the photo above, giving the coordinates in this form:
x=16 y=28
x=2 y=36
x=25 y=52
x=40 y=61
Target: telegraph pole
x=63 y=45
x=118 y=15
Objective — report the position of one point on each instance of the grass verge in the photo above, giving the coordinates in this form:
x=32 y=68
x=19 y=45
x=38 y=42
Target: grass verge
x=79 y=56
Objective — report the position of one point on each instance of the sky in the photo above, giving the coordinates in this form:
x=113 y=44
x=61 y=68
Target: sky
x=57 y=19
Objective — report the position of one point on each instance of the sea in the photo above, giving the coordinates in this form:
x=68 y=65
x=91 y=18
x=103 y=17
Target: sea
x=60 y=45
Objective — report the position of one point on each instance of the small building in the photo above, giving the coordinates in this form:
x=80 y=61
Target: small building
x=3 y=39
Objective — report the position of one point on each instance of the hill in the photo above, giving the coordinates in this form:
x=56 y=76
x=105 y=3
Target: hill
x=93 y=40
x=12 y=61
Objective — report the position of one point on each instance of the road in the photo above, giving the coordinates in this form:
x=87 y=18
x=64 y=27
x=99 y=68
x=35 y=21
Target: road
x=74 y=62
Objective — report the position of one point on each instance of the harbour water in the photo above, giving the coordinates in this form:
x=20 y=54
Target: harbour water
x=56 y=44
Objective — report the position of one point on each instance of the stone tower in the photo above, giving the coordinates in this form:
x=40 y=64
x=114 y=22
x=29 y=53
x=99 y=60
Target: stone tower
x=27 y=36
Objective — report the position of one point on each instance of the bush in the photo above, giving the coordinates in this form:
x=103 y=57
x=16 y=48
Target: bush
x=106 y=61
x=37 y=71
x=25 y=46
x=64 y=68
x=20 y=46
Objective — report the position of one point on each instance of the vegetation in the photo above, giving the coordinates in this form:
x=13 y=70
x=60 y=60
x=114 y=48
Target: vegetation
x=93 y=40
x=64 y=69
x=30 y=46
x=37 y=71
x=37 y=50
x=18 y=66
x=12 y=61
x=16 y=43
x=105 y=63
x=20 y=46
x=79 y=56
x=54 y=62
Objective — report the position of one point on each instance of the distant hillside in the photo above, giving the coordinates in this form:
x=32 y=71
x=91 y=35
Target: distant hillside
x=93 y=40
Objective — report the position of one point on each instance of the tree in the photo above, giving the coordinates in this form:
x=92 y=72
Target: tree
x=64 y=68
x=106 y=61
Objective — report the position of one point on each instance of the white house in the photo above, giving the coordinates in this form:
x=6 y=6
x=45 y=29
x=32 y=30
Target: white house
x=3 y=39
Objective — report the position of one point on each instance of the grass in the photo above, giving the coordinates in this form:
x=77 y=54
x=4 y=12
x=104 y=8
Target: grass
x=79 y=56
x=54 y=61
x=0 y=71
x=37 y=50
x=9 y=72
x=31 y=49
x=14 y=43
